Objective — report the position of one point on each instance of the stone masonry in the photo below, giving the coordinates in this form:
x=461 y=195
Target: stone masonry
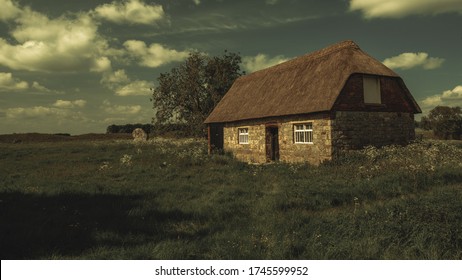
x=355 y=130
x=255 y=151
x=332 y=134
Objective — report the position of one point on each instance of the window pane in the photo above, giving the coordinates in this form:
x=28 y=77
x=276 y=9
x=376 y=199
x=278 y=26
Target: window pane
x=303 y=133
x=243 y=136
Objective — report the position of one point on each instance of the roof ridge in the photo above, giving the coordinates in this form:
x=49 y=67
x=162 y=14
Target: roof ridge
x=309 y=56
x=330 y=49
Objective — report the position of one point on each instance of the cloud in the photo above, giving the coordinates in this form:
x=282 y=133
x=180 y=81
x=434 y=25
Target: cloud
x=153 y=56
x=122 y=85
x=399 y=8
x=137 y=87
x=261 y=61
x=109 y=108
x=38 y=112
x=412 y=60
x=101 y=64
x=69 y=43
x=8 y=83
x=9 y=10
x=68 y=104
x=451 y=98
x=132 y=12
x=38 y=88
x=115 y=78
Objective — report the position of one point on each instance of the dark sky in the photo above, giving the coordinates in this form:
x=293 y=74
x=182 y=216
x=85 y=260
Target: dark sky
x=79 y=66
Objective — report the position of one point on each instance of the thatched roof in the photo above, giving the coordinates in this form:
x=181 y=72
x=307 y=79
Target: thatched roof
x=306 y=84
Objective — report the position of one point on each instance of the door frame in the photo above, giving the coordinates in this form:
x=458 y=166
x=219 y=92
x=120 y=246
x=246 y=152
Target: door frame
x=272 y=142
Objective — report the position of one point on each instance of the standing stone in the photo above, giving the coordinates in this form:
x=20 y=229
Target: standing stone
x=139 y=135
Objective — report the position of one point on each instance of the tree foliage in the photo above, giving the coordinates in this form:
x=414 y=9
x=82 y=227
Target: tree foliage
x=128 y=128
x=445 y=121
x=190 y=91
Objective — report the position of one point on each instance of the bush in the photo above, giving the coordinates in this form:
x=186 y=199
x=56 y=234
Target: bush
x=446 y=122
x=128 y=128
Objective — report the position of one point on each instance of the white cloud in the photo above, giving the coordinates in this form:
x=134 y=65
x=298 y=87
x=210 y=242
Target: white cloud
x=122 y=85
x=68 y=104
x=8 y=83
x=69 y=43
x=101 y=64
x=455 y=93
x=115 y=78
x=35 y=112
x=132 y=11
x=9 y=10
x=137 y=87
x=450 y=98
x=153 y=56
x=38 y=88
x=412 y=60
x=402 y=8
x=110 y=108
x=261 y=61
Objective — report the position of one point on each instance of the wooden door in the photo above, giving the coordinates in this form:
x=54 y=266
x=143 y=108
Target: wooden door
x=272 y=143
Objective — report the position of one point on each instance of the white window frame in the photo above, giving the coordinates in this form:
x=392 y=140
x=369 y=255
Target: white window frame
x=243 y=135
x=371 y=88
x=303 y=133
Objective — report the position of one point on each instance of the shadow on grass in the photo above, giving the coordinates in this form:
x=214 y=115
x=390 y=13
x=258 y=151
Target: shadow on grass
x=40 y=226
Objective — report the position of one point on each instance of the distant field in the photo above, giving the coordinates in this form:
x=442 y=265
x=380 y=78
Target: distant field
x=167 y=199
x=59 y=137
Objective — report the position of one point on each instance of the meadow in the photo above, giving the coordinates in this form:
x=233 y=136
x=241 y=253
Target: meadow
x=168 y=199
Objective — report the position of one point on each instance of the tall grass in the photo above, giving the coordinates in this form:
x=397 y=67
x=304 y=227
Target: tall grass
x=168 y=199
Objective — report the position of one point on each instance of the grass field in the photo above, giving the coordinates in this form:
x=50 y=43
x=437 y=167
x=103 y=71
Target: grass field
x=167 y=199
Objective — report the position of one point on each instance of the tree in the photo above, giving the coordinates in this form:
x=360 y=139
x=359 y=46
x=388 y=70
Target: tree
x=190 y=91
x=446 y=122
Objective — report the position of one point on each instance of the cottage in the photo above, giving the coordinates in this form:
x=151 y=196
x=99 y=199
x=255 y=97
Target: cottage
x=313 y=108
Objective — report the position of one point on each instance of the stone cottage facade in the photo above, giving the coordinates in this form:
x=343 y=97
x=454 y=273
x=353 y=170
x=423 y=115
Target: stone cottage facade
x=313 y=108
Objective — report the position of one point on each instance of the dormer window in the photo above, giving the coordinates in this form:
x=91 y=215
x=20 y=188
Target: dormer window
x=371 y=87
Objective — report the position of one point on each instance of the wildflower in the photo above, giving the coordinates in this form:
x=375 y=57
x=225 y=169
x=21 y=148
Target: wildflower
x=356 y=201
x=126 y=160
x=104 y=166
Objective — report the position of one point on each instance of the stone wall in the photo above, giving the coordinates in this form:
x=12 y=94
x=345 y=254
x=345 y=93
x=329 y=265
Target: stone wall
x=255 y=152
x=355 y=130
x=333 y=134
x=319 y=151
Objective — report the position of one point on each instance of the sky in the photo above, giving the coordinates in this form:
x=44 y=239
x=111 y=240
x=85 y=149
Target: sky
x=79 y=66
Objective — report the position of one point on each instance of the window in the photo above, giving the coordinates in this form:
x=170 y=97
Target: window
x=243 y=135
x=371 y=87
x=303 y=133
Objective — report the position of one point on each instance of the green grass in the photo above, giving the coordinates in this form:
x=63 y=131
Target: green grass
x=170 y=200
